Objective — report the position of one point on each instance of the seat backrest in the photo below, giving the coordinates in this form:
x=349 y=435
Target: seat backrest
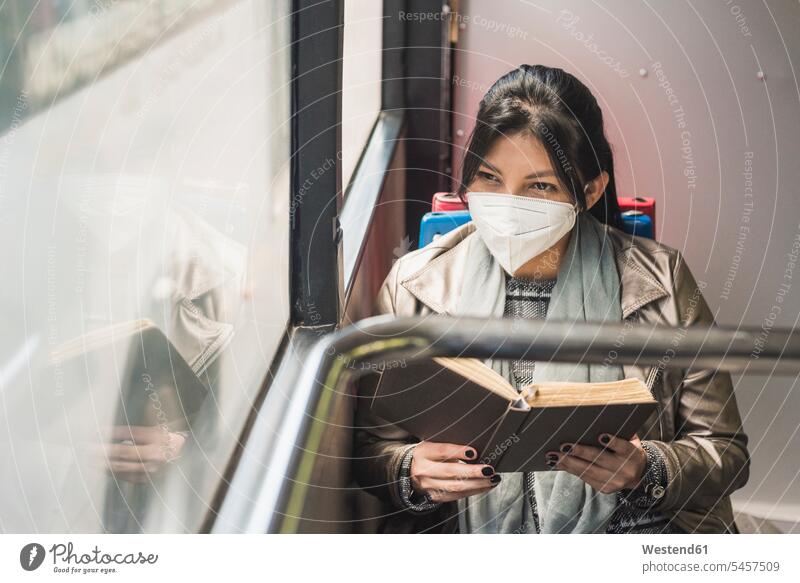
x=436 y=224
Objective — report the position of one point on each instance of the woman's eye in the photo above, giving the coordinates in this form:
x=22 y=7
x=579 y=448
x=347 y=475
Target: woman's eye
x=487 y=176
x=542 y=186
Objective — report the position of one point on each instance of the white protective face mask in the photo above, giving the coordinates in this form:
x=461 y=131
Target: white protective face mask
x=518 y=228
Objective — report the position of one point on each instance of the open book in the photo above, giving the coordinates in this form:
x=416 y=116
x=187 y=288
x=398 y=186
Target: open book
x=133 y=368
x=463 y=401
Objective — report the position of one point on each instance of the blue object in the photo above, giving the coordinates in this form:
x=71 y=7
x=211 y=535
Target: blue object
x=436 y=224
x=637 y=223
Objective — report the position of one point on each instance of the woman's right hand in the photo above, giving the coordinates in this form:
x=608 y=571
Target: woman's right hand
x=438 y=471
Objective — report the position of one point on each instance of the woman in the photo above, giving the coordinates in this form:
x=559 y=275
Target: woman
x=538 y=176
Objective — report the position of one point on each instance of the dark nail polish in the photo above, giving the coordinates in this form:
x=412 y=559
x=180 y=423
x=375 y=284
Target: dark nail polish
x=566 y=448
x=551 y=464
x=495 y=479
x=487 y=471
x=604 y=439
x=551 y=457
x=469 y=453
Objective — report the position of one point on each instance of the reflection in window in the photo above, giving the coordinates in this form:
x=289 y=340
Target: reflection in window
x=52 y=47
x=143 y=222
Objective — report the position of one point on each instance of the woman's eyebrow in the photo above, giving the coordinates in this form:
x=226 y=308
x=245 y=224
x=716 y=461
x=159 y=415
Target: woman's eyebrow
x=540 y=174
x=534 y=174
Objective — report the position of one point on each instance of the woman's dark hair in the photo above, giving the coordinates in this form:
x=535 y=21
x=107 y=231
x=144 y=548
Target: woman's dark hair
x=562 y=113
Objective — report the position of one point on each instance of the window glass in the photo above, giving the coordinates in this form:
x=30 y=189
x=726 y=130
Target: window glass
x=144 y=189
x=361 y=78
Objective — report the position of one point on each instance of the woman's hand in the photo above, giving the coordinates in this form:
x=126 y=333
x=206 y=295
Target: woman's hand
x=438 y=471
x=619 y=465
x=138 y=451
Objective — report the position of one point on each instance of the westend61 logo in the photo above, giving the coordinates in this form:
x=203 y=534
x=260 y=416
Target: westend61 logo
x=66 y=560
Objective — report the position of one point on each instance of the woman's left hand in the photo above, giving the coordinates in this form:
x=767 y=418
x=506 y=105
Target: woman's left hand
x=618 y=464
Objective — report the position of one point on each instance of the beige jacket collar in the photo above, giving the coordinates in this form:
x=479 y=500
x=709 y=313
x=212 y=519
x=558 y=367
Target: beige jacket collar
x=459 y=278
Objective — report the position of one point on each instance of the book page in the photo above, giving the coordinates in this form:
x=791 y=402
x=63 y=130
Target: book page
x=476 y=371
x=560 y=394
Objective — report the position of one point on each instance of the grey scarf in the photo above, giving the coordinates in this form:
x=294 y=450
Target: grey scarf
x=587 y=289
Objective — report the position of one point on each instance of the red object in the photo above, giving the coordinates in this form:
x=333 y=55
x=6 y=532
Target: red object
x=447 y=201
x=644 y=204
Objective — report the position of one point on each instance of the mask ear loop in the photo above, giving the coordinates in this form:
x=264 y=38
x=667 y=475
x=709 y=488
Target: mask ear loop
x=585 y=192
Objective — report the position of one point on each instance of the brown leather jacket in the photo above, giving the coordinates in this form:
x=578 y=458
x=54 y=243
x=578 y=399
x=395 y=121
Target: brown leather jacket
x=698 y=427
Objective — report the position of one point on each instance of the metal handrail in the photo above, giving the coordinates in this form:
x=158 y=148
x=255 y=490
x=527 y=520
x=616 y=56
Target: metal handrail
x=382 y=339
x=723 y=348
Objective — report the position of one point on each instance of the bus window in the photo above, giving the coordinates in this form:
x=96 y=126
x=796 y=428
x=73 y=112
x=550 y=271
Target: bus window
x=144 y=166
